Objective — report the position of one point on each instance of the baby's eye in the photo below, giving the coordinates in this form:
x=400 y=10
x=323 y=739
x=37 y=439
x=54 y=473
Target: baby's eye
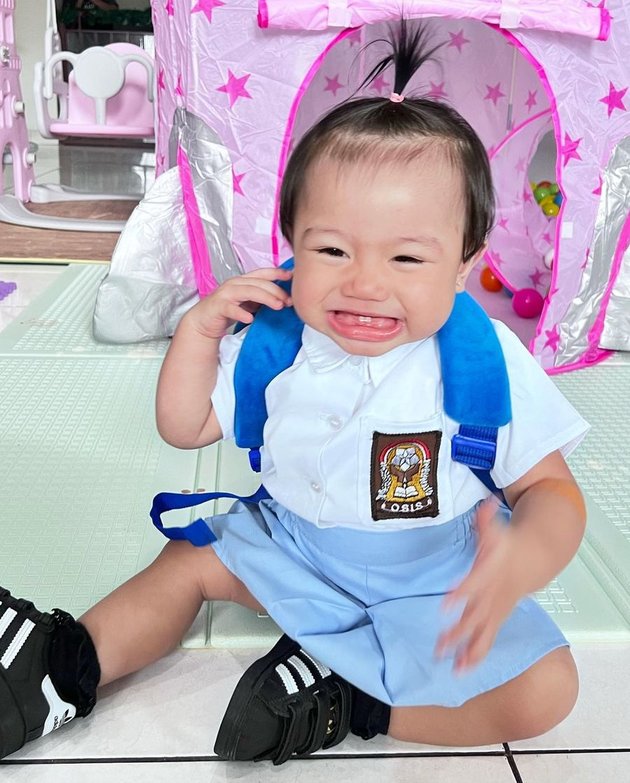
x=408 y=260
x=331 y=251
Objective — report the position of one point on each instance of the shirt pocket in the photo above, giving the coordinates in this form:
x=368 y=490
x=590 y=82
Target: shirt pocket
x=403 y=475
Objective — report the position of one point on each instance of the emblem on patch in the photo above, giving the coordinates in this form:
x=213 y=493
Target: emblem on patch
x=404 y=475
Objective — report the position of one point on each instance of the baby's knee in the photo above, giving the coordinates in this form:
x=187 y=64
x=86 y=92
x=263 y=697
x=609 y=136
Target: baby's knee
x=549 y=695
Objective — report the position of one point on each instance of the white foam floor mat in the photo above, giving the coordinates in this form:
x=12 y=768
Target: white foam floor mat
x=81 y=460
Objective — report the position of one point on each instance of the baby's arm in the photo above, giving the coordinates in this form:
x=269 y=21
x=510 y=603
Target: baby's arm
x=185 y=417
x=548 y=521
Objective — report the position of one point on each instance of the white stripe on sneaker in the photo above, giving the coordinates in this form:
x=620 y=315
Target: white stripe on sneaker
x=321 y=667
x=303 y=670
x=16 y=645
x=287 y=679
x=6 y=620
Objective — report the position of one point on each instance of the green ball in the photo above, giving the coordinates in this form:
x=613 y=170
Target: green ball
x=554 y=188
x=540 y=192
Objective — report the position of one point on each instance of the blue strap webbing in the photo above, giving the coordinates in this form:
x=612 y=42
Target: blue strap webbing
x=272 y=343
x=198 y=532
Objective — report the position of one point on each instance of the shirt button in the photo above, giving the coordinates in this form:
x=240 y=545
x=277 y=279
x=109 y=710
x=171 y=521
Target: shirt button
x=335 y=422
x=316 y=487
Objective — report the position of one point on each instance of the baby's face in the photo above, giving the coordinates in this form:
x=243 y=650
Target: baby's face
x=378 y=251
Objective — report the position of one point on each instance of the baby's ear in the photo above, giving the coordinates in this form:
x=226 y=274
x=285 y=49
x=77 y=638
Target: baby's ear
x=466 y=267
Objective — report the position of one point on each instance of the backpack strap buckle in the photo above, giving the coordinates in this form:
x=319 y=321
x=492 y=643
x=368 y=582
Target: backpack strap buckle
x=475 y=447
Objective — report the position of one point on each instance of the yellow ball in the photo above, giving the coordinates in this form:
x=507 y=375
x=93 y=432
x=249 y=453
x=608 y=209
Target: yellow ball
x=551 y=210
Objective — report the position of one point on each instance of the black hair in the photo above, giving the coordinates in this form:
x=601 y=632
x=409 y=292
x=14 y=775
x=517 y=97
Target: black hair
x=355 y=130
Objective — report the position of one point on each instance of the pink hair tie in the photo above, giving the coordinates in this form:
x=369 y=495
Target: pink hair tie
x=396 y=98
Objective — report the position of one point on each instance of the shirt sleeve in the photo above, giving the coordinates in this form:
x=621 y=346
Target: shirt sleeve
x=223 y=396
x=543 y=420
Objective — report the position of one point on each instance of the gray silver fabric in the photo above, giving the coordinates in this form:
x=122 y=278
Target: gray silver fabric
x=151 y=283
x=581 y=315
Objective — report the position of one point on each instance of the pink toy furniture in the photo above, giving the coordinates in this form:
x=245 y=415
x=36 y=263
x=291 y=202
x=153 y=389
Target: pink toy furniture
x=13 y=132
x=109 y=93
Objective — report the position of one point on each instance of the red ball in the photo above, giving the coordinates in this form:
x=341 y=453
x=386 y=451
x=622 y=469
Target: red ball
x=489 y=280
x=527 y=303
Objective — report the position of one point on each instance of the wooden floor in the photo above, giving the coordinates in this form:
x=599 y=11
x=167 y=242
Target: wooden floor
x=19 y=242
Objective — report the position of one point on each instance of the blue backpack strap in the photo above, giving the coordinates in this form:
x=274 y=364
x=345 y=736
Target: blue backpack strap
x=272 y=343
x=198 y=532
x=476 y=386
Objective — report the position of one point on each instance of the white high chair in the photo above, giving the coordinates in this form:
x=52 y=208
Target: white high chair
x=109 y=94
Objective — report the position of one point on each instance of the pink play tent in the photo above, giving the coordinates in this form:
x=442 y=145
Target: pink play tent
x=239 y=81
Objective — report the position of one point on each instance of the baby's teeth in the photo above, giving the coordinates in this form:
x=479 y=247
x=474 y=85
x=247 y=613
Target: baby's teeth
x=365 y=319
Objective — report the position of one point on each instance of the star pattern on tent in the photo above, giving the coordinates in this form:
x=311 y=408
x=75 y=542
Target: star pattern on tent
x=496 y=259
x=531 y=99
x=502 y=223
x=458 y=40
x=547 y=238
x=553 y=339
x=179 y=89
x=494 y=93
x=521 y=165
x=437 y=90
x=379 y=84
x=160 y=79
x=527 y=196
x=235 y=87
x=333 y=85
x=569 y=149
x=536 y=277
x=170 y=7
x=237 y=182
x=206 y=7
x=614 y=99
x=598 y=189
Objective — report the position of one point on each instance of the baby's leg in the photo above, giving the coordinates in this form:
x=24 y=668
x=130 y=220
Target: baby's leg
x=146 y=617
x=49 y=670
x=527 y=706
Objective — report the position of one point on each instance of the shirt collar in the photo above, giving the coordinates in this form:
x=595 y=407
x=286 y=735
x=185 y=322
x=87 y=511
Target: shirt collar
x=323 y=354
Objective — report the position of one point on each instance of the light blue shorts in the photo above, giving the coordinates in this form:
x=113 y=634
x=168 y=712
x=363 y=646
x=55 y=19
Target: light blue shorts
x=368 y=605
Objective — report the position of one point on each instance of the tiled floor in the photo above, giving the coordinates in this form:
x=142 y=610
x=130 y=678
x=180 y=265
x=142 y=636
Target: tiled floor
x=160 y=724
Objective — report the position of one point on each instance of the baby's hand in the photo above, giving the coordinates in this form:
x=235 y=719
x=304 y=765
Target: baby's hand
x=489 y=592
x=238 y=299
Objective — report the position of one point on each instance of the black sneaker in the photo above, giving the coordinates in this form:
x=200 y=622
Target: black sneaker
x=286 y=703
x=30 y=705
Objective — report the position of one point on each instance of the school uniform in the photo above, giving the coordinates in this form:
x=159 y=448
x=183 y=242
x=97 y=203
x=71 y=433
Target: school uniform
x=371 y=522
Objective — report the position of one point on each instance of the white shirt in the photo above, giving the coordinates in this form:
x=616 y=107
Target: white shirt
x=326 y=453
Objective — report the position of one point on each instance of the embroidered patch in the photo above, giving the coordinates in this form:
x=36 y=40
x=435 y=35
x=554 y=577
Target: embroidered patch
x=403 y=475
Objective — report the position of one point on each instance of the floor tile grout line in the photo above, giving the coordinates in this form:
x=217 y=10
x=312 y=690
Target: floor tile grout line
x=214 y=759
x=512 y=763
x=507 y=753
x=566 y=751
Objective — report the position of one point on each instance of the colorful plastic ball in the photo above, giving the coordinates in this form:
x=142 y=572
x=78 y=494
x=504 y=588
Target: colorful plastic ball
x=551 y=210
x=540 y=192
x=527 y=303
x=489 y=280
x=554 y=188
x=557 y=199
x=545 y=183
x=548 y=199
